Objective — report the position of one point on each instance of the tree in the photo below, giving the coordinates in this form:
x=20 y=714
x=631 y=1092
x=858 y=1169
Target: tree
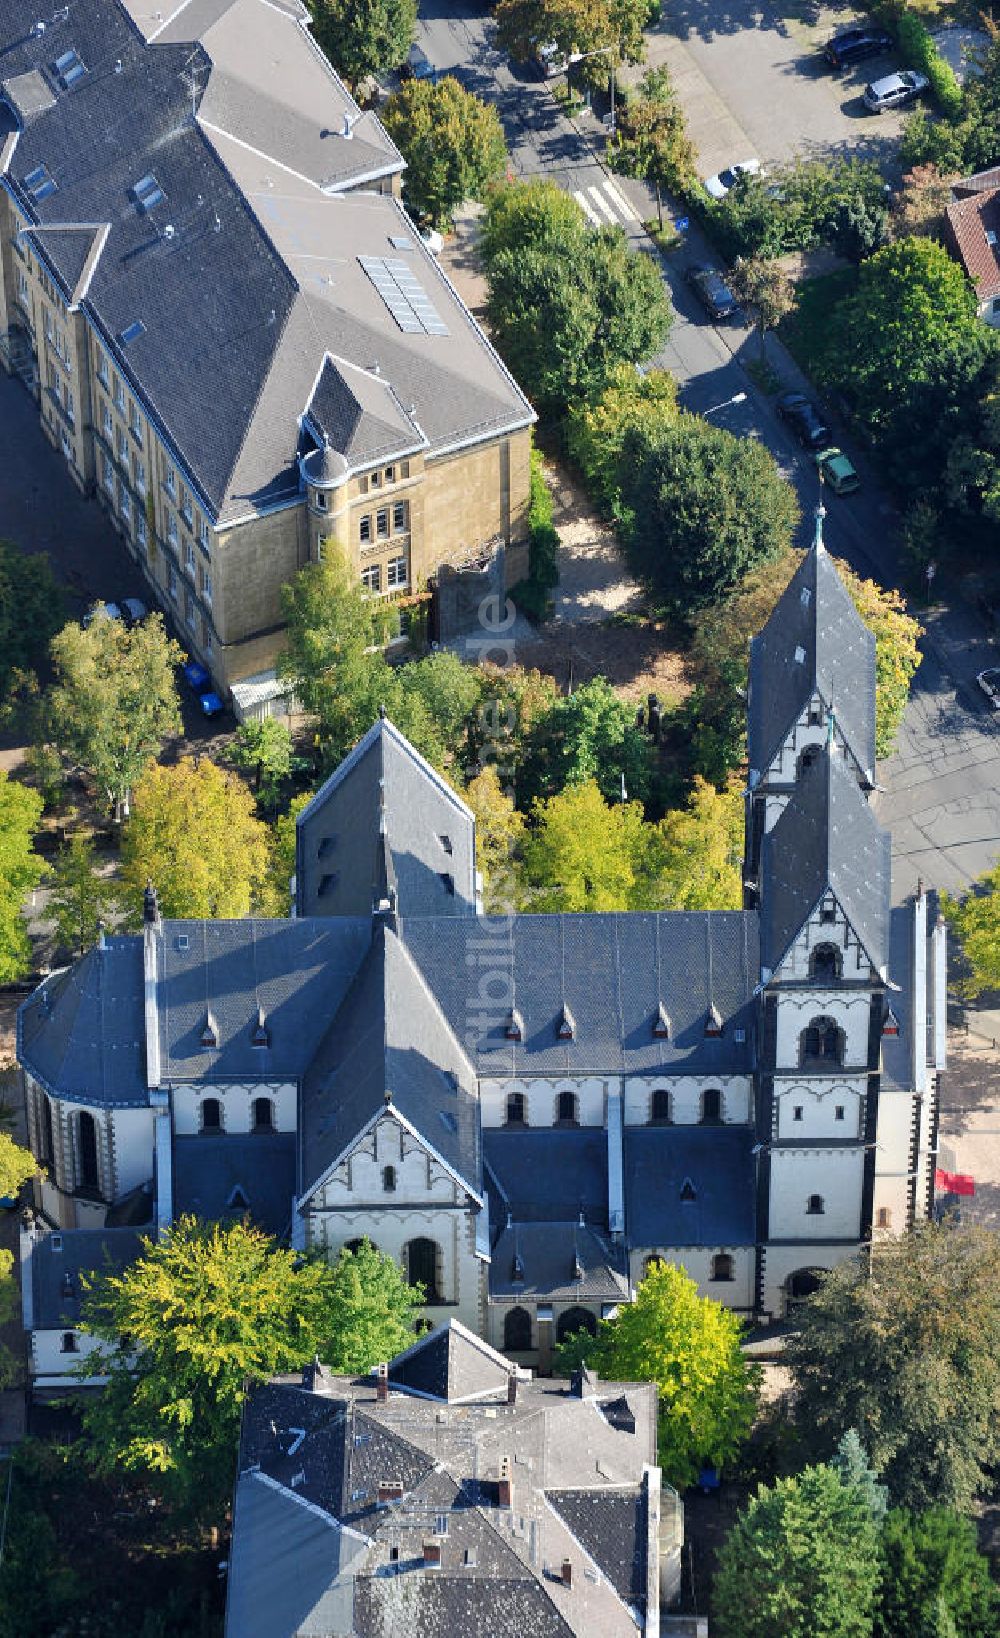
x=802 y=1560
x=690 y=1347
x=908 y=1353
x=598 y=427
x=81 y=899
x=449 y=693
x=363 y=37
x=897 y=651
x=205 y=1313
x=920 y=205
x=566 y=303
x=264 y=749
x=705 y=508
x=975 y=921
x=452 y=142
x=331 y=629
x=513 y=701
x=651 y=141
x=114 y=702
x=851 y=1463
x=194 y=834
x=590 y=734
x=281 y=866
x=21 y=870
x=933 y=1572
x=765 y=289
x=31 y=611
x=703 y=850
x=371 y=1312
x=10 y=1304
x=584 y=854
x=17 y=1165
x=499 y=829
x=575 y=26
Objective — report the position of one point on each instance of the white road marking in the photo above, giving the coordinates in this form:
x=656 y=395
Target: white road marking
x=602 y=205
x=624 y=205
x=586 y=208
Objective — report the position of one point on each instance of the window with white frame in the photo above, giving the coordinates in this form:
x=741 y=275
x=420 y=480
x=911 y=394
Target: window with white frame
x=103 y=368
x=206 y=637
x=172 y=528
x=119 y=397
x=140 y=530
x=206 y=587
x=371 y=577
x=170 y=481
x=107 y=473
x=124 y=502
x=139 y=472
x=189 y=562
x=187 y=510
x=203 y=540
x=365 y=528
x=107 y=424
x=319 y=500
x=23 y=293
x=382 y=523
x=395 y=572
x=70 y=407
x=171 y=582
x=135 y=422
x=189 y=610
x=122 y=446
x=400 y=517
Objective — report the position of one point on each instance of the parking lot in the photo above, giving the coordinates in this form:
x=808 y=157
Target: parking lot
x=754 y=84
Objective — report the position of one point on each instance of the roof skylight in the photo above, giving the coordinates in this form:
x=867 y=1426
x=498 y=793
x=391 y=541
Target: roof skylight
x=40 y=183
x=68 y=68
x=147 y=192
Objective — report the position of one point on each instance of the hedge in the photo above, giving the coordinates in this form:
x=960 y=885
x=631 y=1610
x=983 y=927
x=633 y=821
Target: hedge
x=920 y=52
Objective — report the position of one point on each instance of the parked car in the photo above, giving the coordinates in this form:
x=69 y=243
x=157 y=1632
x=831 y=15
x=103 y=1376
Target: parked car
x=804 y=419
x=852 y=45
x=713 y=292
x=133 y=611
x=418 y=66
x=110 y=611
x=989 y=682
x=199 y=681
x=837 y=471
x=719 y=185
x=895 y=91
x=550 y=61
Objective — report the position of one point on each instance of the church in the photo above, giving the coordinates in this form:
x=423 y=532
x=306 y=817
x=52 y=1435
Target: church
x=524 y=1109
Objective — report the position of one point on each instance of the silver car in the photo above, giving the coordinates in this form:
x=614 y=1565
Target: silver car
x=989 y=682
x=895 y=90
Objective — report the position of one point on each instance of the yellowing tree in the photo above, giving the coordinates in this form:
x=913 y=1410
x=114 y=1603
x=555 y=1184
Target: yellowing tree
x=194 y=834
x=499 y=828
x=703 y=850
x=587 y=854
x=21 y=869
x=976 y=922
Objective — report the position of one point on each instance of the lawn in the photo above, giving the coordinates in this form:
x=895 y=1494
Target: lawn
x=806 y=329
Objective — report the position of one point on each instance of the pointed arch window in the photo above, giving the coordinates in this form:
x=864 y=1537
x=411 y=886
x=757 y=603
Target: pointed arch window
x=87 y=1141
x=517 y=1331
x=567 y=1109
x=516 y=1109
x=825 y=963
x=659 y=1107
x=688 y=1192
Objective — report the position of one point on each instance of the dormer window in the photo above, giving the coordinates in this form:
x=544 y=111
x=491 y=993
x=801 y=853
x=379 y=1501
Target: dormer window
x=661 y=1023
x=261 y=1033
x=209 y=1031
x=828 y=911
x=446 y=846
x=713 y=1022
x=39 y=183
x=566 y=1027
x=891 y=1025
x=688 y=1191
x=514 y=1027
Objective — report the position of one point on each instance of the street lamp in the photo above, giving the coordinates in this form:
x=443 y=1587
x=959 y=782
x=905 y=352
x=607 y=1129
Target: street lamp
x=737 y=398
x=602 y=51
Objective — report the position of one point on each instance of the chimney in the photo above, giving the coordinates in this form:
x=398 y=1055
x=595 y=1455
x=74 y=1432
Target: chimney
x=512 y=1388
x=389 y=1490
x=566 y=1573
x=382 y=1382
x=432 y=1555
x=505 y=1489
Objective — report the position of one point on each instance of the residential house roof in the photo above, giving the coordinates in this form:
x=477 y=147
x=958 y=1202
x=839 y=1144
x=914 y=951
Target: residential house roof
x=451 y=1364
x=974 y=233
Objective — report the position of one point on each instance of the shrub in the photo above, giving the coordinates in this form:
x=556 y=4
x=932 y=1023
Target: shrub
x=920 y=52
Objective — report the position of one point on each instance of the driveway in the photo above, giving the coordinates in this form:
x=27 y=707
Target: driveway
x=753 y=84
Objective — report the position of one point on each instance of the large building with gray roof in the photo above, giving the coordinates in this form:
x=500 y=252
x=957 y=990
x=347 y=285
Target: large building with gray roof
x=235 y=333
x=525 y=1109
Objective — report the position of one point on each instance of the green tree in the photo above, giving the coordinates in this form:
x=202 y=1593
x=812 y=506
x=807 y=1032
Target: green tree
x=851 y=1463
x=932 y=1570
x=17 y=1165
x=331 y=630
x=194 y=834
x=586 y=854
x=598 y=427
x=703 y=850
x=265 y=750
x=449 y=693
x=499 y=830
x=904 y=1346
x=21 y=870
x=590 y=734
x=765 y=290
x=513 y=702
x=371 y=1312
x=81 y=899
x=114 y=702
x=281 y=865
x=363 y=37
x=975 y=921
x=802 y=1560
x=31 y=611
x=575 y=26
x=452 y=142
x=705 y=508
x=651 y=141
x=206 y=1312
x=690 y=1347
x=567 y=303
x=10 y=1305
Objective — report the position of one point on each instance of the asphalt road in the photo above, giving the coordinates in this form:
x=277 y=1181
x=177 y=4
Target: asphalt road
x=942 y=786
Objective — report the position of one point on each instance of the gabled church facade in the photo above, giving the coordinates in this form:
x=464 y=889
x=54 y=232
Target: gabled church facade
x=526 y=1109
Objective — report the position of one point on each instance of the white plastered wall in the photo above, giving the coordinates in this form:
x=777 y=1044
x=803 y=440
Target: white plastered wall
x=685 y=1097
x=835 y=1175
x=782 y=1261
x=698 y=1262
x=850 y=1011
x=541 y=1097
x=819 y=1102
x=237 y=1102
x=360 y=1178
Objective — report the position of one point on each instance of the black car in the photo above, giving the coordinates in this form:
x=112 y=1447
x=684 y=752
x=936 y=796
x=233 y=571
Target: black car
x=713 y=292
x=804 y=419
x=852 y=45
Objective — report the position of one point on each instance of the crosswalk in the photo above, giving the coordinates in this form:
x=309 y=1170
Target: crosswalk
x=605 y=203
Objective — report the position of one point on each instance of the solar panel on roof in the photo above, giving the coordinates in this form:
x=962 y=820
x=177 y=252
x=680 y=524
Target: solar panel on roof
x=132 y=332
x=39 y=183
x=404 y=295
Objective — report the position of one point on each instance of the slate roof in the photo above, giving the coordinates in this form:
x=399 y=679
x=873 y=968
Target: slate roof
x=328 y=1442
x=358 y=415
x=718 y=1162
x=245 y=274
x=969 y=220
x=81 y=1034
x=826 y=836
x=814 y=618
x=451 y=1364
x=58 y=1262
x=286 y=1565
x=389 y=1037
x=611 y=971
x=547 y=1174
x=234 y=1175
x=337 y=834
x=549 y=1255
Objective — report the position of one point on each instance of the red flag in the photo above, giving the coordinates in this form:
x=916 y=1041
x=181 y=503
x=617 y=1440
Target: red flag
x=954 y=1182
